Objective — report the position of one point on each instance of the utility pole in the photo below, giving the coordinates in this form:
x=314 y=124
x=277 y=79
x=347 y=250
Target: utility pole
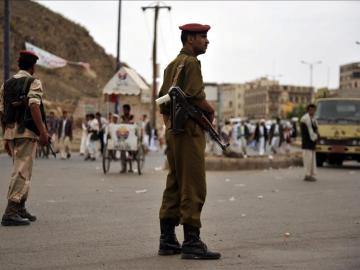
x=118 y=64
x=311 y=67
x=156 y=8
x=118 y=61
x=6 y=40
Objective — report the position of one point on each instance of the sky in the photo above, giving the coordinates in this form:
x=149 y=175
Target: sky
x=248 y=40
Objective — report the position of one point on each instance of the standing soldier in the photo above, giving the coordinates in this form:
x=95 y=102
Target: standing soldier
x=22 y=117
x=185 y=191
x=309 y=137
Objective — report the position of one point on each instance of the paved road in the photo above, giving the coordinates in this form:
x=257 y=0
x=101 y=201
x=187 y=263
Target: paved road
x=91 y=221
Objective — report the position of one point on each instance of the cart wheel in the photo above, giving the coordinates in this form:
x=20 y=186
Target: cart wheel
x=140 y=159
x=106 y=160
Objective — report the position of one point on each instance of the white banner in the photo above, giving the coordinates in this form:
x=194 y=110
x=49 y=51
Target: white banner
x=46 y=59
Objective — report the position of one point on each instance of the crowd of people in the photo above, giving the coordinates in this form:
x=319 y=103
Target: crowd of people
x=261 y=137
x=95 y=132
x=60 y=131
x=245 y=137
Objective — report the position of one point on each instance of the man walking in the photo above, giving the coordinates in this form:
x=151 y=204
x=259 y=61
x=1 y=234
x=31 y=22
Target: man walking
x=65 y=135
x=52 y=124
x=185 y=191
x=102 y=127
x=22 y=117
x=276 y=136
x=309 y=137
x=261 y=136
x=242 y=136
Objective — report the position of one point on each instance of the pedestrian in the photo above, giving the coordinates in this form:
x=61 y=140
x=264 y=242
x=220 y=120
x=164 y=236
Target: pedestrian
x=65 y=135
x=23 y=122
x=126 y=156
x=145 y=132
x=276 y=136
x=185 y=191
x=148 y=132
x=287 y=130
x=93 y=137
x=261 y=136
x=294 y=132
x=226 y=131
x=102 y=127
x=242 y=135
x=84 y=135
x=127 y=117
x=52 y=125
x=309 y=137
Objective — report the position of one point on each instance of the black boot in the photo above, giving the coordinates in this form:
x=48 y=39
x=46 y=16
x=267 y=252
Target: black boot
x=169 y=245
x=194 y=248
x=24 y=213
x=11 y=216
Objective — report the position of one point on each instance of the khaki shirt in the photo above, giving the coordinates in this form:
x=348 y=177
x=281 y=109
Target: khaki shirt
x=190 y=79
x=35 y=96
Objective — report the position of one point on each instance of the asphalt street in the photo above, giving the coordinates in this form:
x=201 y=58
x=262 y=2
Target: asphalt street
x=268 y=219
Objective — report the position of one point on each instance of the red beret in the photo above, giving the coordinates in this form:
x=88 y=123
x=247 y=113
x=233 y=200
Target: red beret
x=28 y=54
x=195 y=27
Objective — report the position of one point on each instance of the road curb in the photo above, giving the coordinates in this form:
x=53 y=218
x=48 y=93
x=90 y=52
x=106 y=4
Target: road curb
x=214 y=163
x=253 y=163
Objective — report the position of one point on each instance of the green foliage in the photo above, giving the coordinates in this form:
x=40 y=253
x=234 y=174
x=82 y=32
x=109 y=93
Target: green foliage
x=298 y=111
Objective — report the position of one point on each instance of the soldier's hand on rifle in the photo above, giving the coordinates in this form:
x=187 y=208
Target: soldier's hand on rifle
x=44 y=138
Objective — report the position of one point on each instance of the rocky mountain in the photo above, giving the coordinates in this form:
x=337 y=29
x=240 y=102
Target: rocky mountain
x=52 y=32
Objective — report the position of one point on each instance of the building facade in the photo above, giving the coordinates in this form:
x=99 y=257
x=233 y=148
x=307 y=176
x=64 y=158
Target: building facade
x=350 y=76
x=266 y=98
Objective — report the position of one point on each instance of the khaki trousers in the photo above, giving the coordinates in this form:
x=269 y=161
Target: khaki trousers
x=64 y=145
x=23 y=151
x=185 y=191
x=309 y=159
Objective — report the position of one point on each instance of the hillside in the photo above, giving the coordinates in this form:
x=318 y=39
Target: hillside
x=50 y=31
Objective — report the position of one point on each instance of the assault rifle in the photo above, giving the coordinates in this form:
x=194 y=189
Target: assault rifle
x=181 y=110
x=51 y=148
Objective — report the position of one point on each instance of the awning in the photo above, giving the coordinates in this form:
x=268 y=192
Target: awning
x=126 y=82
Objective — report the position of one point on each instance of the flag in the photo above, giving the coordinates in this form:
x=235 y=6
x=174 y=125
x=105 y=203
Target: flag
x=46 y=59
x=49 y=60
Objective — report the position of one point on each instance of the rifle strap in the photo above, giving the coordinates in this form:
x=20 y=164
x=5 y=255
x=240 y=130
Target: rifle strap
x=25 y=85
x=178 y=70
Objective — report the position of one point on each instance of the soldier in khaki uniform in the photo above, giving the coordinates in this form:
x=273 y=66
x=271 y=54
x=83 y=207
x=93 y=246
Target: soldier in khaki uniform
x=185 y=191
x=22 y=119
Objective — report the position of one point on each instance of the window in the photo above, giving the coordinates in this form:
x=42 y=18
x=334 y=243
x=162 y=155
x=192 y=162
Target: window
x=356 y=74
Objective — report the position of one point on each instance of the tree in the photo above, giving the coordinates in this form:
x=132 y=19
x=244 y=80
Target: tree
x=298 y=111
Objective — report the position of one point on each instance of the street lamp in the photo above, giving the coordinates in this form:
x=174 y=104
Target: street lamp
x=311 y=66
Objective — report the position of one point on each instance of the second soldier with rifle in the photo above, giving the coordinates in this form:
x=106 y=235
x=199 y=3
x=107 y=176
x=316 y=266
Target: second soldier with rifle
x=23 y=122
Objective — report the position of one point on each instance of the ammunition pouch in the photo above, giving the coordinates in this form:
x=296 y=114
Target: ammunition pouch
x=29 y=123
